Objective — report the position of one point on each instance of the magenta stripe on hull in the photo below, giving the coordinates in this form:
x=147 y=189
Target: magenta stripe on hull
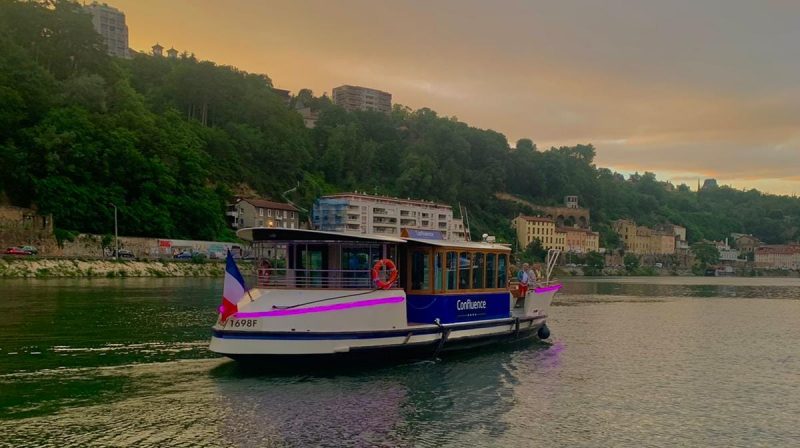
x=320 y=309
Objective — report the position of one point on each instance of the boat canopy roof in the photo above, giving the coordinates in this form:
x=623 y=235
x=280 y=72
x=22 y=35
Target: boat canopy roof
x=279 y=234
x=469 y=245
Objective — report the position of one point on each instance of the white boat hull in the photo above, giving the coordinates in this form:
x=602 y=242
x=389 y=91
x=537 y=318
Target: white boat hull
x=375 y=326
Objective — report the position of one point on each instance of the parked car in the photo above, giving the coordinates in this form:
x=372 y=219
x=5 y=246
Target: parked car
x=32 y=249
x=17 y=251
x=123 y=253
x=185 y=255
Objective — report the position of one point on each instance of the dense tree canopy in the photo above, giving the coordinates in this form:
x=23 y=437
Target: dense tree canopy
x=170 y=140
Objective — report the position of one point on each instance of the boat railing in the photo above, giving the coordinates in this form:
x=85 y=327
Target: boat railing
x=314 y=278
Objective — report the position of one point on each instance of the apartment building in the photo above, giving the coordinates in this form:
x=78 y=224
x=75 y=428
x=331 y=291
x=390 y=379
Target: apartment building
x=778 y=256
x=530 y=228
x=643 y=240
x=252 y=212
x=579 y=240
x=383 y=215
x=353 y=98
x=109 y=22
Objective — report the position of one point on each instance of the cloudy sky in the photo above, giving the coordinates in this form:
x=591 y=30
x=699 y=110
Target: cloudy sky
x=685 y=88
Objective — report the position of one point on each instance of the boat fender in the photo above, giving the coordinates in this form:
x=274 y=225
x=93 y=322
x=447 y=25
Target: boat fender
x=387 y=264
x=543 y=332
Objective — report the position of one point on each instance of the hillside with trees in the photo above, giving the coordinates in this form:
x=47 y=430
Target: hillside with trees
x=169 y=141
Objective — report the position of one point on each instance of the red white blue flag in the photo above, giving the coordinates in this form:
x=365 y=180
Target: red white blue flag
x=233 y=290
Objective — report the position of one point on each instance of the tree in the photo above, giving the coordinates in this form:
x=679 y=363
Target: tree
x=525 y=145
x=705 y=253
x=595 y=263
x=631 y=262
x=534 y=252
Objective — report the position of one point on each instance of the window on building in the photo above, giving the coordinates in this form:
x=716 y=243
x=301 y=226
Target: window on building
x=269 y=212
x=260 y=211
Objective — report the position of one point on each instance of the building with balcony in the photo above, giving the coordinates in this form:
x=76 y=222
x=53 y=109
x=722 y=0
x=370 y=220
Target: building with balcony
x=383 y=215
x=252 y=212
x=353 y=98
x=109 y=22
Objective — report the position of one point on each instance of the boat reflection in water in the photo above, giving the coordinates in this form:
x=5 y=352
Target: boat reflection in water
x=415 y=404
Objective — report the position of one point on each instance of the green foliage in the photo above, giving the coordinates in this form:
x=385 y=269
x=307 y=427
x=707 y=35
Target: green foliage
x=170 y=140
x=534 y=253
x=631 y=263
x=595 y=263
x=705 y=254
x=62 y=235
x=107 y=241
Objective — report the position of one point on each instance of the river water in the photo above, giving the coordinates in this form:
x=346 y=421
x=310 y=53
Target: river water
x=631 y=362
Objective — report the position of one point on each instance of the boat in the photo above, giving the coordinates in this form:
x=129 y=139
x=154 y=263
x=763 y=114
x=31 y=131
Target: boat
x=328 y=295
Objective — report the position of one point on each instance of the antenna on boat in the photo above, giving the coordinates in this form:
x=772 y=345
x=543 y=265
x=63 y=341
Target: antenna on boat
x=465 y=218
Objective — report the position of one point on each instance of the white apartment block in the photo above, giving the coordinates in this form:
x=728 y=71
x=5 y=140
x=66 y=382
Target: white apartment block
x=109 y=22
x=383 y=215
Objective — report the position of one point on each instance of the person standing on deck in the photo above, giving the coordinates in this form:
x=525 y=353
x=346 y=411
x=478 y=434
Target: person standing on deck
x=524 y=279
x=536 y=274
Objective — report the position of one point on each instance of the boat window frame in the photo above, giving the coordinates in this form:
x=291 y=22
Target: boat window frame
x=332 y=276
x=409 y=269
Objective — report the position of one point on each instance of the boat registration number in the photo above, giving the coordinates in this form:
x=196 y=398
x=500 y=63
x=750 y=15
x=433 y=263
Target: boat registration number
x=241 y=323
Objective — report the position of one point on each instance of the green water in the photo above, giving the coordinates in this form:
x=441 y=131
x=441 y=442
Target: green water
x=632 y=362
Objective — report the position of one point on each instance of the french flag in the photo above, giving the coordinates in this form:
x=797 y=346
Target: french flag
x=233 y=290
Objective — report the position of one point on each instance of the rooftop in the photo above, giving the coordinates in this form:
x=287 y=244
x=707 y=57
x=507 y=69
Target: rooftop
x=356 y=195
x=264 y=203
x=536 y=218
x=785 y=249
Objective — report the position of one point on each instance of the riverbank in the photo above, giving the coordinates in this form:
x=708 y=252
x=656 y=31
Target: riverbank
x=562 y=272
x=61 y=268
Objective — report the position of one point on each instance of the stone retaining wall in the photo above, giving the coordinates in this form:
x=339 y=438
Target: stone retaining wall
x=47 y=268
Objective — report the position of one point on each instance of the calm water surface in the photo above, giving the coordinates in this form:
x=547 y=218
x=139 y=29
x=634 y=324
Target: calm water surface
x=632 y=362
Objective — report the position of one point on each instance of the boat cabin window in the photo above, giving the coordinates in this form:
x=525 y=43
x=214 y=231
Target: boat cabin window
x=319 y=264
x=452 y=270
x=464 y=261
x=477 y=271
x=420 y=270
x=491 y=272
x=438 y=269
x=502 y=270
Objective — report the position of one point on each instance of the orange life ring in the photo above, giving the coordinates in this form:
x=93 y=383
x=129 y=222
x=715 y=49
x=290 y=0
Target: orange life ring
x=376 y=270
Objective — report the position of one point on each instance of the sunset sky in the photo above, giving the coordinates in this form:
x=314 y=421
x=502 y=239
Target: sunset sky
x=684 y=88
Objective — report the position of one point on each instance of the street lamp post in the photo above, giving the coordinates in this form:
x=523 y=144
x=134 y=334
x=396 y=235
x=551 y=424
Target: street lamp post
x=116 y=234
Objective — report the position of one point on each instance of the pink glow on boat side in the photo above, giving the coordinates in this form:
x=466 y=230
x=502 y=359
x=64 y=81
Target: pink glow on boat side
x=547 y=289
x=320 y=309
